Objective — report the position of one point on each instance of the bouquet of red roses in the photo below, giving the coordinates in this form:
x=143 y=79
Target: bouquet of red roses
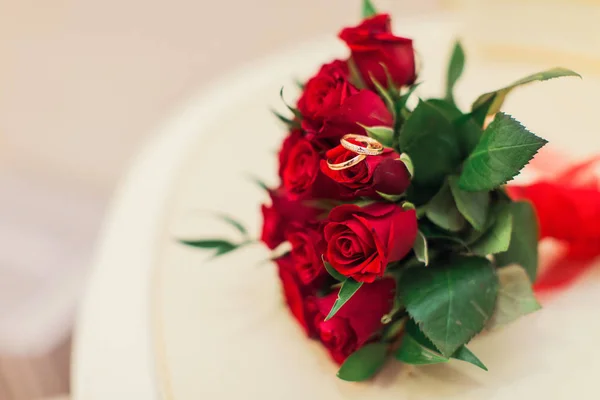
x=401 y=239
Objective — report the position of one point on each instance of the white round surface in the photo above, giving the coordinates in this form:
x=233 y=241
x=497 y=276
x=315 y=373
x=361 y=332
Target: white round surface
x=218 y=330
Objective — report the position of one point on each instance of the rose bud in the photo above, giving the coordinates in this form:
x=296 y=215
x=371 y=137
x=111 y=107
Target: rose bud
x=356 y=322
x=384 y=173
x=280 y=216
x=331 y=106
x=299 y=300
x=372 y=44
x=308 y=245
x=361 y=242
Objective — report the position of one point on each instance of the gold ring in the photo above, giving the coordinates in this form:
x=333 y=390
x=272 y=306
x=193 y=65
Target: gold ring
x=346 y=164
x=374 y=148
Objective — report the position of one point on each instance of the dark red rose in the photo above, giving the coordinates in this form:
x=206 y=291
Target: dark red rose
x=301 y=168
x=308 y=245
x=288 y=143
x=365 y=108
x=279 y=217
x=356 y=322
x=362 y=241
x=372 y=44
x=331 y=107
x=325 y=92
x=384 y=173
x=300 y=301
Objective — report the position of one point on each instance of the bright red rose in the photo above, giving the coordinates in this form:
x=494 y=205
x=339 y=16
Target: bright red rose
x=356 y=322
x=362 y=241
x=299 y=300
x=372 y=44
x=288 y=144
x=331 y=107
x=301 y=168
x=384 y=173
x=325 y=92
x=279 y=217
x=308 y=245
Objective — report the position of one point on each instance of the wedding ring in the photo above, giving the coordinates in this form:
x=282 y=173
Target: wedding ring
x=346 y=164
x=374 y=148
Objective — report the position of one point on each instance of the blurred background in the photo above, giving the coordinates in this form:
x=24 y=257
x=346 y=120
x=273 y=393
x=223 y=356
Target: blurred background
x=83 y=83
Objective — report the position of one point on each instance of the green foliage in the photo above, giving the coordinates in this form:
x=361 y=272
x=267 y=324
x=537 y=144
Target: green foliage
x=234 y=223
x=364 y=363
x=219 y=245
x=405 y=158
x=430 y=141
x=290 y=123
x=515 y=296
x=387 y=95
x=490 y=103
x=451 y=300
x=467 y=131
x=420 y=248
x=497 y=238
x=368 y=9
x=523 y=249
x=455 y=70
x=382 y=134
x=349 y=287
x=443 y=212
x=392 y=198
x=474 y=206
x=356 y=77
x=417 y=349
x=332 y=271
x=504 y=149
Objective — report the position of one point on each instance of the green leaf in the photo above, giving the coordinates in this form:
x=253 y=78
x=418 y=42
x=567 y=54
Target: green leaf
x=364 y=363
x=452 y=300
x=332 y=271
x=385 y=94
x=474 y=206
x=383 y=134
x=442 y=210
x=504 y=149
x=465 y=354
x=349 y=287
x=294 y=111
x=523 y=249
x=368 y=9
x=416 y=349
x=500 y=95
x=467 y=131
x=420 y=248
x=355 y=76
x=224 y=249
x=207 y=243
x=405 y=158
x=430 y=141
x=292 y=124
x=515 y=296
x=455 y=70
x=392 y=198
x=259 y=182
x=233 y=222
x=497 y=238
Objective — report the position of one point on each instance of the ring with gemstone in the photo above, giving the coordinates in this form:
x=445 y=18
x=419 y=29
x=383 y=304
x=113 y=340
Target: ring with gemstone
x=374 y=148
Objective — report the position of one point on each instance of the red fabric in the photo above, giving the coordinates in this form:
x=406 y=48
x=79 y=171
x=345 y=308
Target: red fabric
x=568 y=209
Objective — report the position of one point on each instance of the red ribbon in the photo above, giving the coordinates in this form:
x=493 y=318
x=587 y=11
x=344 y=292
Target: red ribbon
x=568 y=208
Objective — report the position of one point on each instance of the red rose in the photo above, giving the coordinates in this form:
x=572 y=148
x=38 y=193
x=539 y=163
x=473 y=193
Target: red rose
x=384 y=173
x=284 y=153
x=325 y=92
x=362 y=241
x=372 y=44
x=331 y=107
x=278 y=218
x=307 y=247
x=356 y=322
x=301 y=168
x=298 y=299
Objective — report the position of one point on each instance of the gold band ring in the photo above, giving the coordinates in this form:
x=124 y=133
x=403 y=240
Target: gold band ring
x=346 y=164
x=374 y=148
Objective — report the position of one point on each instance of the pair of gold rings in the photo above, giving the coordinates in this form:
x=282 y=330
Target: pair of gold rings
x=373 y=148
